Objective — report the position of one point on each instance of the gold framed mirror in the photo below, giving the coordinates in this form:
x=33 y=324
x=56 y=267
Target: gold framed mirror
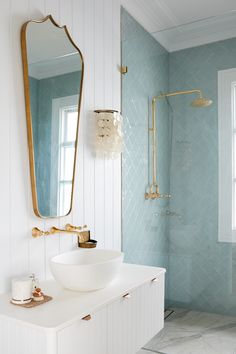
x=53 y=70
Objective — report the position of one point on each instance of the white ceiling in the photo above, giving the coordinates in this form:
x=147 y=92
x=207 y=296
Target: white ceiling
x=161 y=15
x=45 y=42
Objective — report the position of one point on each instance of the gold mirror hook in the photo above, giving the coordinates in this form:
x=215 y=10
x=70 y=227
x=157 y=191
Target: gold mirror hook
x=124 y=69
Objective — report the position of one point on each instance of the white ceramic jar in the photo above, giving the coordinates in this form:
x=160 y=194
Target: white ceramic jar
x=21 y=290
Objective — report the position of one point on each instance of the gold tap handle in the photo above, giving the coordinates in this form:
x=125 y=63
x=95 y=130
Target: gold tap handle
x=36 y=232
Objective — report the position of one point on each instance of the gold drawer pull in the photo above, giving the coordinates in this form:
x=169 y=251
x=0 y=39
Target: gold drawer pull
x=87 y=318
x=154 y=280
x=127 y=296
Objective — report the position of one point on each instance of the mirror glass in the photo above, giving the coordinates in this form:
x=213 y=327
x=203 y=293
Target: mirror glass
x=53 y=75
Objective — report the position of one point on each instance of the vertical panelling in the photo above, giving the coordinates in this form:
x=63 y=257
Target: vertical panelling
x=19 y=170
x=5 y=72
x=37 y=247
x=116 y=101
x=108 y=104
x=94 y=25
x=88 y=98
x=99 y=83
x=78 y=36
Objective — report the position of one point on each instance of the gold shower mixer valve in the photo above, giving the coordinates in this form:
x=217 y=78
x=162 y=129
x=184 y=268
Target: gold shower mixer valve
x=154 y=193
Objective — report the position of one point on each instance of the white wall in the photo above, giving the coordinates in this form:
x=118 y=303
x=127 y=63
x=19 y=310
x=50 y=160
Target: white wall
x=95 y=27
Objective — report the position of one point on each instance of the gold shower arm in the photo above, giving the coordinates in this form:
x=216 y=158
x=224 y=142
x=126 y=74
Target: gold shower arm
x=176 y=93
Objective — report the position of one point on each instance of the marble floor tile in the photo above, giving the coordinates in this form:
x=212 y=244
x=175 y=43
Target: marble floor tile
x=192 y=332
x=145 y=351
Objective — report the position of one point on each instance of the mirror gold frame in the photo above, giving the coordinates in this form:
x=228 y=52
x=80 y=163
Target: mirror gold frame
x=29 y=114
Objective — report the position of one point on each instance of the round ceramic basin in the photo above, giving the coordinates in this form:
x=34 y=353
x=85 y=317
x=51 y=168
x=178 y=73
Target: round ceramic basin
x=86 y=269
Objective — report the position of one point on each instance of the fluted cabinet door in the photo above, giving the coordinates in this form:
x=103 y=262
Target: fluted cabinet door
x=122 y=324
x=135 y=319
x=16 y=338
x=151 y=310
x=85 y=337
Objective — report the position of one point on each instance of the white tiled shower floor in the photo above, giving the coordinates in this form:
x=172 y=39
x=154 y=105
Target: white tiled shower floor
x=192 y=332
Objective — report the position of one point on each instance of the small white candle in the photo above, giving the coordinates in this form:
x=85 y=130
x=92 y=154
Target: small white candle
x=21 y=290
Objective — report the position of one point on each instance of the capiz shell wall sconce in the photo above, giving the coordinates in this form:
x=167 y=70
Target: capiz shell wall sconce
x=108 y=133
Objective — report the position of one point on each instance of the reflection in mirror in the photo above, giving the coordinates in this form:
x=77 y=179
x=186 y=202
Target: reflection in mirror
x=53 y=76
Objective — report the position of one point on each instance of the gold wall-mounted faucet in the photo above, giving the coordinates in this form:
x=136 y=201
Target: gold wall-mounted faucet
x=83 y=236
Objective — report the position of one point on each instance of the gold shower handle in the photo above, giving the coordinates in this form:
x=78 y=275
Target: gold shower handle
x=153 y=193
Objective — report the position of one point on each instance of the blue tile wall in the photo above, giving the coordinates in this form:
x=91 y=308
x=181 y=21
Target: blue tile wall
x=201 y=270
x=181 y=234
x=144 y=231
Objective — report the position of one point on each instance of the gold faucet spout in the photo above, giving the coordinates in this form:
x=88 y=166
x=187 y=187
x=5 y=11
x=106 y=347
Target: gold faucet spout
x=83 y=236
x=70 y=227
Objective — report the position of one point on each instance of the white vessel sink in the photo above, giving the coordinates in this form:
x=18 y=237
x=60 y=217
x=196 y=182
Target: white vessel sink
x=86 y=269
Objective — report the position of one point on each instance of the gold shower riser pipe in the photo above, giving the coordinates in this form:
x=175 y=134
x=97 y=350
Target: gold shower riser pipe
x=154 y=144
x=153 y=188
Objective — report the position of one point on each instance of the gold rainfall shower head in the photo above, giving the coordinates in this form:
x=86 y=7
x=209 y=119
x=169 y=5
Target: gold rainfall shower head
x=201 y=102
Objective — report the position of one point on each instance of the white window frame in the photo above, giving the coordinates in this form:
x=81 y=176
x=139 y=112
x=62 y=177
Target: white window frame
x=226 y=133
x=58 y=104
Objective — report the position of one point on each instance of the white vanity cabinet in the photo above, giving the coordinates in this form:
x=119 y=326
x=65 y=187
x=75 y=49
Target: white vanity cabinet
x=119 y=319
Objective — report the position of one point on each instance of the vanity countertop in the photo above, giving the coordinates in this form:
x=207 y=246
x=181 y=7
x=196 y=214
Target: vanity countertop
x=68 y=306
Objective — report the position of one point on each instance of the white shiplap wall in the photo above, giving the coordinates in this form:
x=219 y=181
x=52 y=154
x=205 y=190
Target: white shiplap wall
x=95 y=27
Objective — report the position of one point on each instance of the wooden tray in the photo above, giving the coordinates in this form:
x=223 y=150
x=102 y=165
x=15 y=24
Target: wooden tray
x=35 y=303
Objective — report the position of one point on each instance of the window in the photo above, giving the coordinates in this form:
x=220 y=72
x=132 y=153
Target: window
x=227 y=155
x=63 y=149
x=67 y=137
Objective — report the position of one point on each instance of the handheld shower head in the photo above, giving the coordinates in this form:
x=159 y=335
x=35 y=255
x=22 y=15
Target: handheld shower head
x=201 y=102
